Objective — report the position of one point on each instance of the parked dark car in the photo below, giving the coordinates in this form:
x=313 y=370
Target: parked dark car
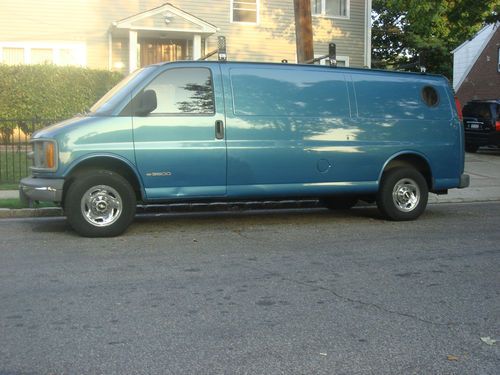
x=482 y=124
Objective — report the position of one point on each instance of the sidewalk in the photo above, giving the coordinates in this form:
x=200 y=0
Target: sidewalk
x=484 y=171
x=483 y=168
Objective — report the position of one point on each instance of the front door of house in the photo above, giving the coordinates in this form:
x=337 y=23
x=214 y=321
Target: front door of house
x=154 y=51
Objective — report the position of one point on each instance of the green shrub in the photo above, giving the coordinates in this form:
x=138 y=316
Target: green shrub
x=49 y=91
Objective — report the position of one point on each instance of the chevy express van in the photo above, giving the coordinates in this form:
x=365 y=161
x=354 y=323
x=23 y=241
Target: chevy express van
x=222 y=131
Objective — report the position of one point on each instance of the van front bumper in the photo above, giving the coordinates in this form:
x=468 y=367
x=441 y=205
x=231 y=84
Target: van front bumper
x=41 y=189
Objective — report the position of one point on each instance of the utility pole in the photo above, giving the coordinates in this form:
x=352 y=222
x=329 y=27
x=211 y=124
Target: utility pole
x=303 y=30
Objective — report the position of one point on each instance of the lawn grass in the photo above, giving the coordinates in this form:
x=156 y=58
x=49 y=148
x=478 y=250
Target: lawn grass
x=16 y=203
x=14 y=165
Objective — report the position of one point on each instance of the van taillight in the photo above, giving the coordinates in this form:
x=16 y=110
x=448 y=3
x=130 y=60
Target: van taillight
x=459 y=109
x=497 y=126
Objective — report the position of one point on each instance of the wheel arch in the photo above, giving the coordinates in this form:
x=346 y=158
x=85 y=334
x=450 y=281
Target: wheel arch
x=413 y=160
x=105 y=162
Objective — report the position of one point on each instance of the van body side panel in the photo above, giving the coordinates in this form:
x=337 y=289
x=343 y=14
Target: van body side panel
x=300 y=129
x=393 y=114
x=176 y=149
x=293 y=131
x=87 y=137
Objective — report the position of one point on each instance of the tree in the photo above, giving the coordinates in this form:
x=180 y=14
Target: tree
x=413 y=33
x=201 y=100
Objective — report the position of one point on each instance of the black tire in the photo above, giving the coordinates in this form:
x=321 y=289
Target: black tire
x=403 y=194
x=471 y=148
x=100 y=203
x=341 y=202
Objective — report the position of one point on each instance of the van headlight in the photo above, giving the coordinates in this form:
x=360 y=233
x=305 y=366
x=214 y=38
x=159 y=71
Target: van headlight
x=44 y=155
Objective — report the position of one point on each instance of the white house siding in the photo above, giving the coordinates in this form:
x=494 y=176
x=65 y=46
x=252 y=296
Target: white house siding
x=466 y=54
x=89 y=22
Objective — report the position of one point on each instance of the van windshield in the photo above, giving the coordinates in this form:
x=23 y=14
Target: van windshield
x=106 y=105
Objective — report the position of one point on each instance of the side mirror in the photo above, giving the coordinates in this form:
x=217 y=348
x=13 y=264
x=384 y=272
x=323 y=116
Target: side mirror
x=146 y=104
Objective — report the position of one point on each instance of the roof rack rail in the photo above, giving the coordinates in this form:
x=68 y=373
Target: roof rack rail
x=332 y=56
x=221 y=50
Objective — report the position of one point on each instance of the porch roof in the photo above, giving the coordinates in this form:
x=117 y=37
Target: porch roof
x=163 y=19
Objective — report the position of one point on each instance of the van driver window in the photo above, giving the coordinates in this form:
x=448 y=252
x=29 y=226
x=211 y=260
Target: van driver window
x=184 y=91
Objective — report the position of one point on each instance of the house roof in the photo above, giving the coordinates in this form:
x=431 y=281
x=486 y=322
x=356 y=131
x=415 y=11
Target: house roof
x=477 y=44
x=165 y=18
x=488 y=29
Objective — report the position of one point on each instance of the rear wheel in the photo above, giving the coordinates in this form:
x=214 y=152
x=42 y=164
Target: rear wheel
x=339 y=202
x=100 y=203
x=403 y=194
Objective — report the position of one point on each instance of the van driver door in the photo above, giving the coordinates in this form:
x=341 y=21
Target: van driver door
x=180 y=147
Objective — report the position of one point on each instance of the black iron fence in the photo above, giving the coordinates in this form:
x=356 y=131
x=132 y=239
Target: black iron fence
x=14 y=147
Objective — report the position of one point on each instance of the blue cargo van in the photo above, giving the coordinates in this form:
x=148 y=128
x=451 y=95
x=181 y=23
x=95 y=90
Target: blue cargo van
x=222 y=131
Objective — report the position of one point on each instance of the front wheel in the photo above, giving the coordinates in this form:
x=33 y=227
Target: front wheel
x=100 y=203
x=403 y=194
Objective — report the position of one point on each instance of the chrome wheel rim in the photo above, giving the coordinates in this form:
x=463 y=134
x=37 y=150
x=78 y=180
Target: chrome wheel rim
x=101 y=205
x=406 y=195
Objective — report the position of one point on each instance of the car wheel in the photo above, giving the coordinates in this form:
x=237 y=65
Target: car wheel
x=100 y=203
x=339 y=202
x=403 y=194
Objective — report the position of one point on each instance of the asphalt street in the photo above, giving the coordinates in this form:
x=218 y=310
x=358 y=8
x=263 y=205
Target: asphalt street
x=255 y=292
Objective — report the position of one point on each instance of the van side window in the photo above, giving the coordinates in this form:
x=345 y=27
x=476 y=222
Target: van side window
x=430 y=96
x=281 y=92
x=183 y=91
x=391 y=98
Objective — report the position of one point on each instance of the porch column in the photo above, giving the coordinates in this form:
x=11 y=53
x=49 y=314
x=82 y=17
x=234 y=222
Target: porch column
x=110 y=51
x=132 y=50
x=196 y=47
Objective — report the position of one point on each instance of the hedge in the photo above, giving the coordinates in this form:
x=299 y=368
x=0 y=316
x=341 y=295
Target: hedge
x=49 y=91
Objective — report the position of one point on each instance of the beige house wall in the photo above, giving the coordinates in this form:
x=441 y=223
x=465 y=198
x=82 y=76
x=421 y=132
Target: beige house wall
x=89 y=22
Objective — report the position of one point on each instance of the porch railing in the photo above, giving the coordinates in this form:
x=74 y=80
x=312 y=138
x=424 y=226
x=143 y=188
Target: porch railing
x=14 y=147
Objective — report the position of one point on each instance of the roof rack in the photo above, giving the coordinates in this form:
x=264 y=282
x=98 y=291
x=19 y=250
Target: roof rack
x=221 y=50
x=332 y=56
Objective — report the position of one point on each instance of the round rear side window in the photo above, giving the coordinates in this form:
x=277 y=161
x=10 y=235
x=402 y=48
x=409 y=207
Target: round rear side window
x=430 y=96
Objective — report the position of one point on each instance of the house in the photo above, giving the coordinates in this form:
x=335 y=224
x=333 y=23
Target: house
x=476 y=66
x=124 y=35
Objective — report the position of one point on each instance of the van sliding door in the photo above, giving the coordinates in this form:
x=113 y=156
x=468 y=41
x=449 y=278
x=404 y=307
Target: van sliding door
x=289 y=130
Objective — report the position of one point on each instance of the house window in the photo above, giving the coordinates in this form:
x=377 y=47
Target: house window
x=245 y=11
x=68 y=56
x=498 y=61
x=330 y=8
x=15 y=53
x=42 y=56
x=13 y=56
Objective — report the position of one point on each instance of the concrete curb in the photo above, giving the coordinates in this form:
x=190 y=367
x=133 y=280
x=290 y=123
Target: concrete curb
x=6 y=213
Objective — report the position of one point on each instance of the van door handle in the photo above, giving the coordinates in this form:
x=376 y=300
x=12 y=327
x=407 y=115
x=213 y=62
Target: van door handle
x=219 y=129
